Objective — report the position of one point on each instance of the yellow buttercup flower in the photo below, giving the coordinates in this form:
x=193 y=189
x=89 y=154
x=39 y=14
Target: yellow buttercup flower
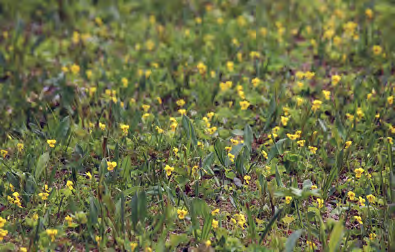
x=390 y=100
x=288 y=199
x=230 y=66
x=133 y=246
x=284 y=120
x=361 y=201
x=247 y=179
x=212 y=130
x=207 y=243
x=4 y=153
x=313 y=187
x=336 y=79
x=358 y=219
x=124 y=128
x=214 y=224
x=169 y=170
x=231 y=157
x=70 y=184
x=327 y=94
x=371 y=198
x=69 y=220
x=255 y=82
x=111 y=165
x=51 y=143
x=377 y=50
x=182 y=213
x=390 y=140
x=313 y=149
x=20 y=147
x=52 y=233
x=347 y=145
x=145 y=107
x=180 y=102
x=75 y=69
x=301 y=143
x=372 y=236
x=358 y=172
x=182 y=111
x=316 y=105
x=369 y=13
x=244 y=105
x=2 y=222
x=3 y=233
x=351 y=195
x=125 y=82
x=264 y=153
x=102 y=126
x=202 y=68
x=43 y=196
x=320 y=203
x=215 y=212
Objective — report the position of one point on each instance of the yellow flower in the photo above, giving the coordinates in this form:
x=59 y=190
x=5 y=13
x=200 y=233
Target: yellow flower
x=145 y=107
x=231 y=157
x=69 y=220
x=372 y=236
x=70 y=184
x=125 y=82
x=75 y=69
x=214 y=224
x=225 y=85
x=182 y=213
x=361 y=201
x=348 y=144
x=292 y=136
x=159 y=130
x=230 y=66
x=98 y=239
x=311 y=245
x=286 y=111
x=3 y=233
x=284 y=120
x=313 y=149
x=180 y=102
x=169 y=170
x=51 y=143
x=316 y=105
x=299 y=101
x=301 y=143
x=228 y=148
x=202 y=68
x=124 y=128
x=390 y=140
x=390 y=99
x=320 y=203
x=255 y=82
x=288 y=199
x=43 y=196
x=309 y=75
x=200 y=144
x=336 y=79
x=244 y=105
x=175 y=150
x=133 y=246
x=102 y=126
x=89 y=175
x=369 y=13
x=145 y=116
x=313 y=187
x=20 y=147
x=4 y=153
x=264 y=153
x=88 y=73
x=327 y=94
x=358 y=219
x=182 y=111
x=247 y=179
x=111 y=165
x=358 y=172
x=23 y=249
x=215 y=212
x=377 y=50
x=150 y=45
x=52 y=233
x=299 y=75
x=159 y=100
x=212 y=130
x=371 y=198
x=207 y=243
x=2 y=222
x=351 y=195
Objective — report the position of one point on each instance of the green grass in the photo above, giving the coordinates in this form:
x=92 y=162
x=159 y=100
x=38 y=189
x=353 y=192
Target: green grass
x=219 y=125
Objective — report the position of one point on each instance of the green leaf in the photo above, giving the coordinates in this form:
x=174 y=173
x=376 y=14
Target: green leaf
x=336 y=236
x=248 y=136
x=269 y=226
x=189 y=129
x=63 y=129
x=41 y=164
x=220 y=152
x=292 y=239
x=207 y=162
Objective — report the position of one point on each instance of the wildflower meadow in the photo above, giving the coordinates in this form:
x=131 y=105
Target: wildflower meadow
x=197 y=125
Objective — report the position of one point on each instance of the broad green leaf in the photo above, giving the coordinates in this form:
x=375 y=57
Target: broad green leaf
x=41 y=165
x=292 y=239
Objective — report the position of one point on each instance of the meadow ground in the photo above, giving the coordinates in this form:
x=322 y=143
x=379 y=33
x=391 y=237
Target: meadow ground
x=188 y=125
